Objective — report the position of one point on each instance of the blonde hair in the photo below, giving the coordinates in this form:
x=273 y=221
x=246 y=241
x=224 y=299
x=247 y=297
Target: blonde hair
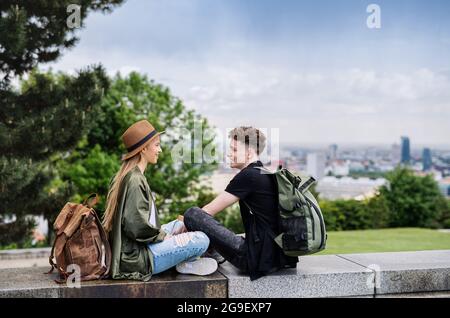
x=113 y=193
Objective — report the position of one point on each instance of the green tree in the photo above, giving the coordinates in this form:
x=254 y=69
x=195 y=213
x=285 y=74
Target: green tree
x=33 y=32
x=340 y=215
x=46 y=115
x=88 y=172
x=343 y=215
x=377 y=212
x=445 y=217
x=134 y=97
x=412 y=200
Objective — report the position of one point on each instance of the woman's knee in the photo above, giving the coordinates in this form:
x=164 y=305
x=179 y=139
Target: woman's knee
x=202 y=240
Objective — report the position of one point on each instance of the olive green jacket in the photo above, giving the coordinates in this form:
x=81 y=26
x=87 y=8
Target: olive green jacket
x=131 y=232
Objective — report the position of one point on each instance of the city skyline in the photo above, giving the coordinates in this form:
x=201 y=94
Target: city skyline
x=414 y=147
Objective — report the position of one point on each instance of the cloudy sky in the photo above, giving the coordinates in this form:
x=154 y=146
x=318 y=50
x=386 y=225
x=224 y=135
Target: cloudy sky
x=313 y=69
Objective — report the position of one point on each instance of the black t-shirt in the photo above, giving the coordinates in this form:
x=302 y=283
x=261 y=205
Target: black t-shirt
x=259 y=191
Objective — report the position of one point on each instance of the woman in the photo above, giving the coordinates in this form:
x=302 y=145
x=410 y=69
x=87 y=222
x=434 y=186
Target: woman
x=140 y=246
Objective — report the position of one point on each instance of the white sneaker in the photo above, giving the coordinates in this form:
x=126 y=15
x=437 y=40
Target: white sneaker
x=201 y=266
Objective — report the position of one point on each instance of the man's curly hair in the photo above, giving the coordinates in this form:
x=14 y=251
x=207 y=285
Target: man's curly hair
x=250 y=136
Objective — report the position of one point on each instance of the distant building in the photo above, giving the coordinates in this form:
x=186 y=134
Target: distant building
x=444 y=185
x=315 y=165
x=332 y=188
x=435 y=174
x=356 y=166
x=406 y=151
x=426 y=159
x=332 y=152
x=395 y=154
x=340 y=168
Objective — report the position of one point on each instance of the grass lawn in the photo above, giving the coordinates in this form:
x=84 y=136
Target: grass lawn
x=386 y=240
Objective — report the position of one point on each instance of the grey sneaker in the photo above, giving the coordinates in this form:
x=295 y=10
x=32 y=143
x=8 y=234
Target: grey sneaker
x=211 y=252
x=201 y=266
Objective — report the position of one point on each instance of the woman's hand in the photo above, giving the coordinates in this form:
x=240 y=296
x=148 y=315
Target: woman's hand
x=181 y=229
x=167 y=237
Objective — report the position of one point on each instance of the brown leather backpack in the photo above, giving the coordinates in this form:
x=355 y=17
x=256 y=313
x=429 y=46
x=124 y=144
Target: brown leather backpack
x=81 y=240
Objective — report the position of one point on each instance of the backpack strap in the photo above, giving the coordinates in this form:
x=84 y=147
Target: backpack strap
x=265 y=170
x=105 y=242
x=50 y=260
x=91 y=200
x=305 y=186
x=53 y=265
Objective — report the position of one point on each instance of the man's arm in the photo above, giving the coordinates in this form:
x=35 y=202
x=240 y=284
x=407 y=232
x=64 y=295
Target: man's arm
x=221 y=202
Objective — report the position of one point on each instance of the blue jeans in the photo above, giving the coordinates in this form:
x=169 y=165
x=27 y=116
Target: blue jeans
x=179 y=248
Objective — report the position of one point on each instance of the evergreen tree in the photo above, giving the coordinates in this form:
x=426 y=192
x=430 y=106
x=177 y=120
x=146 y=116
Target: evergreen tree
x=33 y=32
x=47 y=114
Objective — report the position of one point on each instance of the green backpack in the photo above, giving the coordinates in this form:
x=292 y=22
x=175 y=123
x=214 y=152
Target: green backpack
x=302 y=226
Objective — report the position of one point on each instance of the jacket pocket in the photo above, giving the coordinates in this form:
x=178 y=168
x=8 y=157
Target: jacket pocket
x=129 y=262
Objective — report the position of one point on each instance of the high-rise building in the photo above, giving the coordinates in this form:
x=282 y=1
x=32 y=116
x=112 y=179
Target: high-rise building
x=315 y=165
x=406 y=151
x=426 y=159
x=333 y=152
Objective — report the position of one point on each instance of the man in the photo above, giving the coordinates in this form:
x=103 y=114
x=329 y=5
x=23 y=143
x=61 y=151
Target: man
x=257 y=253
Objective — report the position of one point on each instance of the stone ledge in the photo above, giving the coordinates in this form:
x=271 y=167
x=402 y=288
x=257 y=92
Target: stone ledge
x=403 y=274
x=32 y=282
x=315 y=276
x=441 y=294
x=25 y=253
x=351 y=275
x=407 y=272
